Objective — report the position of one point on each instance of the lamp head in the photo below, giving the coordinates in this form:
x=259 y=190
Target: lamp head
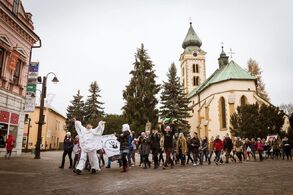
x=55 y=80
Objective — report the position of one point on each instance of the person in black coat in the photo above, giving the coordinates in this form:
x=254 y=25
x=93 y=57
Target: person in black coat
x=195 y=144
x=155 y=146
x=168 y=131
x=228 y=147
x=67 y=150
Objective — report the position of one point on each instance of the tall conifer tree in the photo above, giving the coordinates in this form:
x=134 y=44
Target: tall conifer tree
x=254 y=69
x=76 y=109
x=93 y=107
x=174 y=101
x=140 y=94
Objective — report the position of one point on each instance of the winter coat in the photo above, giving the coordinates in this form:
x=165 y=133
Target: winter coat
x=218 y=145
x=155 y=141
x=181 y=145
x=90 y=139
x=204 y=144
x=124 y=140
x=68 y=144
x=239 y=146
x=10 y=142
x=228 y=144
x=259 y=146
x=146 y=146
x=194 y=143
x=287 y=145
x=168 y=137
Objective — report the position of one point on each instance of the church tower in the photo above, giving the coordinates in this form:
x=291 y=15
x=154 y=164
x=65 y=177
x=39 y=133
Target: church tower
x=193 y=69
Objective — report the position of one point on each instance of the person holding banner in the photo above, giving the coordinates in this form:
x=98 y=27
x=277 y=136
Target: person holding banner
x=90 y=142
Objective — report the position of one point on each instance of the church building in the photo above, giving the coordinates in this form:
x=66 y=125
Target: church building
x=216 y=98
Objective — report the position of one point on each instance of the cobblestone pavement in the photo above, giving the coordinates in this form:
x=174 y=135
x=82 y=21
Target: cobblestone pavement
x=24 y=175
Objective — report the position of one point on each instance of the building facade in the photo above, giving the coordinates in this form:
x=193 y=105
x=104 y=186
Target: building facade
x=215 y=99
x=53 y=131
x=17 y=39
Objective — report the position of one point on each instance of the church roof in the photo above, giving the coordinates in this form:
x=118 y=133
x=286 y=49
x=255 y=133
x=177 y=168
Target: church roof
x=191 y=38
x=231 y=71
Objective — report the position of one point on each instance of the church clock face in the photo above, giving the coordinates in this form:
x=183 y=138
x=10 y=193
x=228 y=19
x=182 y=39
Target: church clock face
x=194 y=54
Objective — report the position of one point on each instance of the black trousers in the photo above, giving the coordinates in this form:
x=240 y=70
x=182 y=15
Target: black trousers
x=69 y=156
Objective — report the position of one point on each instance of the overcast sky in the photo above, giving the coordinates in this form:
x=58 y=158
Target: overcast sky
x=84 y=41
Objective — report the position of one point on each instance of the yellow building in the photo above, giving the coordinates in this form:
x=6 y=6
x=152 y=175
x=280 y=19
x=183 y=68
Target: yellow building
x=53 y=131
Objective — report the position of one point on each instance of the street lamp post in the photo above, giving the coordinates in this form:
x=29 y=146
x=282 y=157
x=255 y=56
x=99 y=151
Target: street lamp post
x=28 y=133
x=41 y=114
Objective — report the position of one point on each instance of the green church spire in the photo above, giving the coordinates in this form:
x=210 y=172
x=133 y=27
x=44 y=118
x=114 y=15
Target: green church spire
x=191 y=41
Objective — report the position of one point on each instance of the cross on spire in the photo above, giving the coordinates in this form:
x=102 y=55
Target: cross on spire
x=190 y=20
x=231 y=53
x=222 y=43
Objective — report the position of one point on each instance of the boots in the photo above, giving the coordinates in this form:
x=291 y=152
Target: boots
x=124 y=169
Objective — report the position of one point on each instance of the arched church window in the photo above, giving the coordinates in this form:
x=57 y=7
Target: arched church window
x=193 y=68
x=223 y=113
x=243 y=100
x=197 y=68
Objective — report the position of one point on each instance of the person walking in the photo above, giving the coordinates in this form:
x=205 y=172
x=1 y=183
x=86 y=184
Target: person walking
x=90 y=141
x=124 y=145
x=195 y=144
x=155 y=147
x=67 y=150
x=239 y=149
x=228 y=147
x=146 y=149
x=211 y=149
x=9 y=145
x=204 y=151
x=76 y=150
x=168 y=133
x=260 y=148
x=181 y=148
x=188 y=144
x=287 y=147
x=218 y=147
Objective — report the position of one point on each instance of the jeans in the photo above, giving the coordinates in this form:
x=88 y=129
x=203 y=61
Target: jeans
x=69 y=156
x=195 y=154
x=168 y=152
x=218 y=156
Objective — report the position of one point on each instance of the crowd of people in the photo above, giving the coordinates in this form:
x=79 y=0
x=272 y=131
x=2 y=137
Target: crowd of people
x=166 y=148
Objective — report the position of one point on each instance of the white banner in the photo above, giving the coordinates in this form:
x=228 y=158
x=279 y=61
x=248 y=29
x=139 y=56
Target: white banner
x=111 y=145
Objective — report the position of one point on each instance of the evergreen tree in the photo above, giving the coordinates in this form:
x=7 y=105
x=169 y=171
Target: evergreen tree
x=174 y=101
x=76 y=109
x=254 y=69
x=114 y=123
x=257 y=121
x=140 y=94
x=93 y=107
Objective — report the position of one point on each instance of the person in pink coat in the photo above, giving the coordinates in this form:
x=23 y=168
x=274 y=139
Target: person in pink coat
x=9 y=145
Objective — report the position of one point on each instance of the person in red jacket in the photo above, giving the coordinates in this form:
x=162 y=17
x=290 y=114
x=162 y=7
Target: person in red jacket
x=218 y=147
x=9 y=145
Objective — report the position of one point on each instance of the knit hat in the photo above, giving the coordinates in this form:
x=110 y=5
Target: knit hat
x=125 y=127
